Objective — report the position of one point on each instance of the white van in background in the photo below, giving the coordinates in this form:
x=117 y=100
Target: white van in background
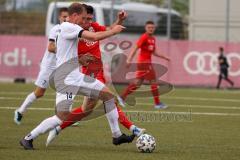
x=138 y=14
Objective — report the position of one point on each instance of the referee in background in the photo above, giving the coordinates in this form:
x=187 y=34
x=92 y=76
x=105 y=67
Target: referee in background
x=223 y=63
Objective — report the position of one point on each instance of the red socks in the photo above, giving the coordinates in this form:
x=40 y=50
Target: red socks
x=132 y=87
x=154 y=88
x=123 y=119
x=76 y=115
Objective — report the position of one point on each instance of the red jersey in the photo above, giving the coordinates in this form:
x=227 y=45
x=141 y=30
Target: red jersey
x=92 y=47
x=147 y=45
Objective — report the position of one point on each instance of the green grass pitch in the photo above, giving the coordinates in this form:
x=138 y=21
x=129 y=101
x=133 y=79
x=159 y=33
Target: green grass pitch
x=200 y=124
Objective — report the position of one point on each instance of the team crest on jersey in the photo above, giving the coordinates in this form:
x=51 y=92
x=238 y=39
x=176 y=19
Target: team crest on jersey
x=151 y=41
x=88 y=42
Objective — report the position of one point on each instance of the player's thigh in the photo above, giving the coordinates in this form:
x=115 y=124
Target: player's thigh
x=90 y=87
x=64 y=101
x=43 y=77
x=151 y=75
x=100 y=76
x=224 y=73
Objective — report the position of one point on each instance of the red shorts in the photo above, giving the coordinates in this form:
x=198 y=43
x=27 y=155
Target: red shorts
x=145 y=71
x=95 y=73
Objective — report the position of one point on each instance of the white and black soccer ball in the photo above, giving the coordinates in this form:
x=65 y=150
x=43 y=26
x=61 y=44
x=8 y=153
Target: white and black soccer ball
x=146 y=143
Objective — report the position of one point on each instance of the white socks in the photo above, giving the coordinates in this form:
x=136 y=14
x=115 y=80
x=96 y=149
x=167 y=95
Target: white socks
x=28 y=101
x=112 y=116
x=132 y=128
x=44 y=126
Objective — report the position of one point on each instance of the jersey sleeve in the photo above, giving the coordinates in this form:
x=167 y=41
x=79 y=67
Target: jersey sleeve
x=71 y=31
x=97 y=27
x=54 y=33
x=141 y=40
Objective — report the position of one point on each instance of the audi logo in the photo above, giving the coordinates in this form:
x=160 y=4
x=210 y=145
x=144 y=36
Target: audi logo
x=206 y=63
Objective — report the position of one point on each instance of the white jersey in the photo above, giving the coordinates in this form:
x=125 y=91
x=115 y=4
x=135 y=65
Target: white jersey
x=49 y=59
x=67 y=44
x=68 y=79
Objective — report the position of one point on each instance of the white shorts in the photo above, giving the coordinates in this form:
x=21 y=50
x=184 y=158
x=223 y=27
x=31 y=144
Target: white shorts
x=43 y=77
x=76 y=83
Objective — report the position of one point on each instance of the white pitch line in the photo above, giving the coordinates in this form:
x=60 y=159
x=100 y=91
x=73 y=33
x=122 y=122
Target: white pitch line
x=161 y=112
x=194 y=113
x=195 y=98
x=194 y=106
x=147 y=104
x=14 y=98
x=42 y=99
x=164 y=96
x=224 y=91
x=39 y=108
x=21 y=93
x=140 y=98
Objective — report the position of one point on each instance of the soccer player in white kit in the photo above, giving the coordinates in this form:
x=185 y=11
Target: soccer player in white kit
x=68 y=85
x=48 y=64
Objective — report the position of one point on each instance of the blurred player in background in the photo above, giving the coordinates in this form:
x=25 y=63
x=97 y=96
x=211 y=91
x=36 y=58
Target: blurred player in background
x=95 y=70
x=48 y=65
x=223 y=63
x=145 y=70
x=75 y=82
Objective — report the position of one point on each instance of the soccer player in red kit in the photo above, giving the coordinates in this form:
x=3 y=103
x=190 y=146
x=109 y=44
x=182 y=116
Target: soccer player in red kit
x=145 y=70
x=95 y=70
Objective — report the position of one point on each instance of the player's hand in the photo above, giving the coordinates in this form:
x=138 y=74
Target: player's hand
x=117 y=29
x=122 y=15
x=86 y=59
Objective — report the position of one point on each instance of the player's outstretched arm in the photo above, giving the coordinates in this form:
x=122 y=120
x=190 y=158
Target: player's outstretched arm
x=161 y=56
x=122 y=15
x=96 y=36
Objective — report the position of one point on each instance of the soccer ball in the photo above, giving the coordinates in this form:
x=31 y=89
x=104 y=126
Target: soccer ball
x=146 y=143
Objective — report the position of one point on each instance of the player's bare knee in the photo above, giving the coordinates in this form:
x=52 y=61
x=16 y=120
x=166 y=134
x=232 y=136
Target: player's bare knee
x=39 y=95
x=63 y=109
x=39 y=92
x=89 y=108
x=138 y=83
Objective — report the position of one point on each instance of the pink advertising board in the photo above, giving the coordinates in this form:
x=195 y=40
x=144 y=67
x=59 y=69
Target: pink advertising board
x=192 y=63
x=20 y=56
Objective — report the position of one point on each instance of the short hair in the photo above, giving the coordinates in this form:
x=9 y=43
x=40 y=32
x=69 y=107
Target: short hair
x=149 y=22
x=63 y=9
x=221 y=49
x=75 y=8
x=89 y=9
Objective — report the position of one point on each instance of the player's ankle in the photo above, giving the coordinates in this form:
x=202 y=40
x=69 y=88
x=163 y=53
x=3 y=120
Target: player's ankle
x=132 y=128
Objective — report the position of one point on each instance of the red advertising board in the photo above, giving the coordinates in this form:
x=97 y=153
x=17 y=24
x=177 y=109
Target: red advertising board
x=192 y=63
